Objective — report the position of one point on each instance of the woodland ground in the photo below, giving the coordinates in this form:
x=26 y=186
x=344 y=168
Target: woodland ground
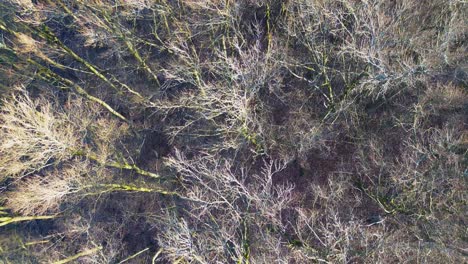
x=221 y=131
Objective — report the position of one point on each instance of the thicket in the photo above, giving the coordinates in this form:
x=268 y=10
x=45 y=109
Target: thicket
x=206 y=131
